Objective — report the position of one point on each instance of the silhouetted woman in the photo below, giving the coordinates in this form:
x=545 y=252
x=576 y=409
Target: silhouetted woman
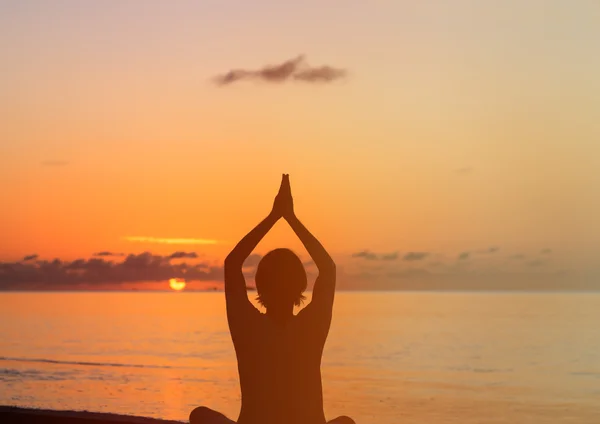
x=278 y=353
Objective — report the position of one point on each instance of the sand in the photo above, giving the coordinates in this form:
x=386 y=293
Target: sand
x=14 y=415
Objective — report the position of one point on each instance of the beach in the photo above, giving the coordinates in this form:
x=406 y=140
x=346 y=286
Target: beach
x=15 y=415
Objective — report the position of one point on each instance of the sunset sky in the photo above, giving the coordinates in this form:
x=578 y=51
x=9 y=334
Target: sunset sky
x=455 y=128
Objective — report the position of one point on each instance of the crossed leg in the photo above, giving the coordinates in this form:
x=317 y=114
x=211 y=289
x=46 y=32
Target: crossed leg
x=204 y=415
x=342 y=420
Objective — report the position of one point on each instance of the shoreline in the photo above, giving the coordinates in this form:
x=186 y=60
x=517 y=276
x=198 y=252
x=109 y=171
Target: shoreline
x=20 y=415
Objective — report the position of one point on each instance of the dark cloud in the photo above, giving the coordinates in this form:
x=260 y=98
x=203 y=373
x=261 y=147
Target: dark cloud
x=370 y=256
x=517 y=257
x=293 y=69
x=365 y=254
x=321 y=74
x=464 y=256
x=489 y=250
x=143 y=267
x=183 y=255
x=55 y=163
x=106 y=253
x=415 y=256
x=546 y=251
x=535 y=263
x=30 y=258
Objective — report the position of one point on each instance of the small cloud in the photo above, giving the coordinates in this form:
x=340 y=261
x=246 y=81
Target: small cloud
x=535 y=263
x=293 y=69
x=365 y=254
x=55 y=163
x=546 y=251
x=321 y=74
x=183 y=255
x=389 y=256
x=517 y=257
x=489 y=250
x=163 y=240
x=464 y=256
x=30 y=258
x=106 y=253
x=370 y=256
x=415 y=256
x=464 y=171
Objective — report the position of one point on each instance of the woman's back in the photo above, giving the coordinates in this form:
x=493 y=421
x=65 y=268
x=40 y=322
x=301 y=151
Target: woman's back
x=279 y=367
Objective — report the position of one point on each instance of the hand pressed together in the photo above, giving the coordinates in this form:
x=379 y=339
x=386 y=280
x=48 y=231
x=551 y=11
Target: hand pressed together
x=283 y=207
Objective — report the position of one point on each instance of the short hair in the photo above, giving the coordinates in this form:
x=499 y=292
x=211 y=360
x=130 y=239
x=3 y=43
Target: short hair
x=280 y=278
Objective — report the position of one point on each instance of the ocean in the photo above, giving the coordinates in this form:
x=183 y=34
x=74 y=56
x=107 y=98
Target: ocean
x=391 y=357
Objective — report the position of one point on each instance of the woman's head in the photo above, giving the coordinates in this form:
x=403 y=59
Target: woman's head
x=280 y=279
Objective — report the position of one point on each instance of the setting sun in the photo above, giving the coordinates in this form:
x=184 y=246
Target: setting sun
x=177 y=284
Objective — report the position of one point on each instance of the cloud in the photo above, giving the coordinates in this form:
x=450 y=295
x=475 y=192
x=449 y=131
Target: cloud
x=163 y=240
x=546 y=251
x=106 y=253
x=30 y=258
x=182 y=255
x=143 y=267
x=517 y=257
x=370 y=256
x=464 y=256
x=415 y=256
x=115 y=272
x=489 y=250
x=293 y=69
x=321 y=74
x=365 y=254
x=56 y=163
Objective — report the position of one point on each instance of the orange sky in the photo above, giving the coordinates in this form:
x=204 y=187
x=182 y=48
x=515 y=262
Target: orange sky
x=459 y=126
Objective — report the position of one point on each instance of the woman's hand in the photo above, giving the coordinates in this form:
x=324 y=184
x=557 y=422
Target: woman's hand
x=284 y=203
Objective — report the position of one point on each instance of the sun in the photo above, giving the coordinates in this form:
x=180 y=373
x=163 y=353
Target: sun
x=177 y=284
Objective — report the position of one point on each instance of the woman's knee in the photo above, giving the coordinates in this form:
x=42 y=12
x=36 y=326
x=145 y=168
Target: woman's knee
x=342 y=420
x=204 y=415
x=200 y=415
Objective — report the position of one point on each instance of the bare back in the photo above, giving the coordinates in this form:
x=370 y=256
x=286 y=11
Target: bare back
x=280 y=366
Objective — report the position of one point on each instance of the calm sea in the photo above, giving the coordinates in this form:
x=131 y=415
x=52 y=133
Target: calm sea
x=391 y=357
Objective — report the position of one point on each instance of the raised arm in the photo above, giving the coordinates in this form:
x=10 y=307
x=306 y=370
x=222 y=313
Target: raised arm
x=235 y=283
x=324 y=289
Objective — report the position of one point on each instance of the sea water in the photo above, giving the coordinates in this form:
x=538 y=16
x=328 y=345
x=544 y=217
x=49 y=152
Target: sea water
x=391 y=357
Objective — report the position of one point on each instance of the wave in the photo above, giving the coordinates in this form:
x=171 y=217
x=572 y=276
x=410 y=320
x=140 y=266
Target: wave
x=84 y=363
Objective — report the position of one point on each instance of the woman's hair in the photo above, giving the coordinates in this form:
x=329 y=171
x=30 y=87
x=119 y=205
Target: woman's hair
x=280 y=278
